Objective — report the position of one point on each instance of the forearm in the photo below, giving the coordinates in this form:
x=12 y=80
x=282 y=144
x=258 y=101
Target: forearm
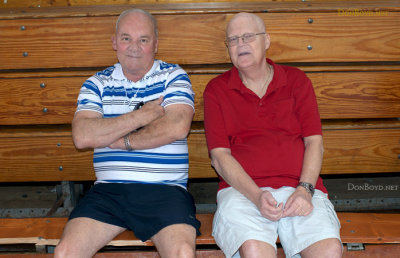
x=234 y=174
x=313 y=156
x=175 y=125
x=98 y=132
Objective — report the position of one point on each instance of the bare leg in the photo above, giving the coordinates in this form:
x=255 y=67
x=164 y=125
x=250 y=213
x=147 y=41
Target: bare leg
x=255 y=249
x=178 y=240
x=83 y=237
x=329 y=248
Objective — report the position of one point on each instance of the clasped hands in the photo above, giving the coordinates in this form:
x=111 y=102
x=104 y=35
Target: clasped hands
x=298 y=204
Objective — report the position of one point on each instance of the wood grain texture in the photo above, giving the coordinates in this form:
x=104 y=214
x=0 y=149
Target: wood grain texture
x=52 y=158
x=53 y=3
x=24 y=101
x=340 y=95
x=367 y=228
x=361 y=151
x=56 y=8
x=25 y=158
x=48 y=231
x=199 y=39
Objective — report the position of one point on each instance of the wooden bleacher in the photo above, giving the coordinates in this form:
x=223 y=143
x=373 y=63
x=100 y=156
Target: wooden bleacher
x=353 y=61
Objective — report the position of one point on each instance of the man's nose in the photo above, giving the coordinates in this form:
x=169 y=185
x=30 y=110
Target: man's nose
x=241 y=41
x=135 y=45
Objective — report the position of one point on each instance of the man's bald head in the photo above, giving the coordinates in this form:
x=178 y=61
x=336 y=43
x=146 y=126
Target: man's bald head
x=249 y=18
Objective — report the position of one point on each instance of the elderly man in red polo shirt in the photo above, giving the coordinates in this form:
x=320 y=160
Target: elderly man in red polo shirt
x=265 y=141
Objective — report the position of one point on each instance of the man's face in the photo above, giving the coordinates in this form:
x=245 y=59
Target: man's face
x=136 y=45
x=246 y=55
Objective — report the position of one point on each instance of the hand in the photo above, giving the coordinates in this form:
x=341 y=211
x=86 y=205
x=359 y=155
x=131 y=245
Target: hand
x=152 y=110
x=298 y=204
x=118 y=144
x=269 y=207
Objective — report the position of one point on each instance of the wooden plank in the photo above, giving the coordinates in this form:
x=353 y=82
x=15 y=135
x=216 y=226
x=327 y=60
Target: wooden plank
x=38 y=100
x=361 y=151
x=48 y=231
x=103 y=8
x=49 y=158
x=38 y=158
x=376 y=251
x=372 y=228
x=130 y=254
x=61 y=42
x=367 y=228
x=356 y=94
x=211 y=69
x=39 y=3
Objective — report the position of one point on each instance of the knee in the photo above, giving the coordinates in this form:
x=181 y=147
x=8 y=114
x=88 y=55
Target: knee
x=182 y=250
x=255 y=248
x=68 y=249
x=329 y=248
x=60 y=251
x=334 y=249
x=250 y=246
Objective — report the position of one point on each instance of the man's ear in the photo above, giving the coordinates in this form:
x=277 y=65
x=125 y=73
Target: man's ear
x=267 y=41
x=114 y=42
x=156 y=47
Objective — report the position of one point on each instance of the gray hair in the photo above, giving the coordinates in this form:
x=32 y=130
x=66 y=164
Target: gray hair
x=136 y=10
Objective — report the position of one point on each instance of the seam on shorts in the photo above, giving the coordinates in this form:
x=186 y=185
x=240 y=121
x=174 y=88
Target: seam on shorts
x=331 y=212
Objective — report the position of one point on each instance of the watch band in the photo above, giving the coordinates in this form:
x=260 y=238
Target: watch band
x=309 y=187
x=127 y=143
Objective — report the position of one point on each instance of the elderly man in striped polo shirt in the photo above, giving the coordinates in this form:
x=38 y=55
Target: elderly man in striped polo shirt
x=136 y=115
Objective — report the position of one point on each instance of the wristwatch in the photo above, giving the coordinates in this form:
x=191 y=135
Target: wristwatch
x=309 y=187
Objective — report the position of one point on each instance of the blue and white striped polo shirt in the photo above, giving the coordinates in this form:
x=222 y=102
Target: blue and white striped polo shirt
x=110 y=93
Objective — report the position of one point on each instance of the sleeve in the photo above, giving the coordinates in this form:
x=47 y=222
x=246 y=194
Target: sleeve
x=307 y=107
x=178 y=89
x=90 y=97
x=214 y=125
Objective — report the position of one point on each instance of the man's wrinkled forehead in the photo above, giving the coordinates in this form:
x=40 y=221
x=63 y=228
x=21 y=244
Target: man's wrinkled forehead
x=251 y=21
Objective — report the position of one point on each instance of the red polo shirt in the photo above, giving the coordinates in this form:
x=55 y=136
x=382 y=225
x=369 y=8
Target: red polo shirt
x=265 y=135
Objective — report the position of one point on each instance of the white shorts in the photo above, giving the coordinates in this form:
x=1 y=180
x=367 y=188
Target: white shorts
x=237 y=220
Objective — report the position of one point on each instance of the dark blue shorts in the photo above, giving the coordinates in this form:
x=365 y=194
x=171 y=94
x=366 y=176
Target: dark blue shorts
x=143 y=208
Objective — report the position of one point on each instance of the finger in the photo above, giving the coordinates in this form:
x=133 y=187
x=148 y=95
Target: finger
x=160 y=99
x=270 y=199
x=290 y=211
x=272 y=217
x=308 y=211
x=276 y=210
x=289 y=202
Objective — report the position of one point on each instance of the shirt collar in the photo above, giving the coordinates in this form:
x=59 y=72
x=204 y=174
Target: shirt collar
x=118 y=74
x=279 y=79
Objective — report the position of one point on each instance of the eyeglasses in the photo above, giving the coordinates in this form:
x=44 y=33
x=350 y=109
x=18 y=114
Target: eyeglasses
x=246 y=38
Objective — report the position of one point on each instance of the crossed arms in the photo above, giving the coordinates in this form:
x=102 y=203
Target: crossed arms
x=161 y=126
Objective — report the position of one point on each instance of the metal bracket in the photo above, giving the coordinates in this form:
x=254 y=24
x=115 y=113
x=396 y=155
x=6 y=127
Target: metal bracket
x=355 y=247
x=65 y=198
